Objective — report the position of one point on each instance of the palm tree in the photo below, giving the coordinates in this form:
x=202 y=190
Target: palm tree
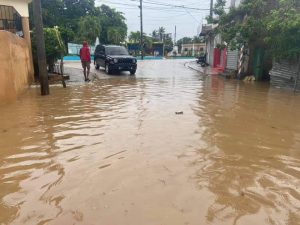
x=114 y=35
x=89 y=28
x=161 y=33
x=155 y=35
x=134 y=37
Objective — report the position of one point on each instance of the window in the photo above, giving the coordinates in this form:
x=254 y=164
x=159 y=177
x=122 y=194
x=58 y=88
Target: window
x=10 y=19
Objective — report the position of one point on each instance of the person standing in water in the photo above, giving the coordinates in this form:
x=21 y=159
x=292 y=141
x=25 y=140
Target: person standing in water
x=85 y=57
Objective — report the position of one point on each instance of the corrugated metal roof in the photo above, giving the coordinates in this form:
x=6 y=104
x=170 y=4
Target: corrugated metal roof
x=284 y=74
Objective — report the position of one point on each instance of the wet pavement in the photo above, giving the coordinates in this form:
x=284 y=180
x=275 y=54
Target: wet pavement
x=113 y=151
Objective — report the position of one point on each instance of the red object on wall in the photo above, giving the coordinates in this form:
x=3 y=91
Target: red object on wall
x=220 y=58
x=217 y=57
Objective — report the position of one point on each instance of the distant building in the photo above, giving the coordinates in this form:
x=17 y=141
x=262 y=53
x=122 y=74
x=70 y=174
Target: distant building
x=217 y=55
x=193 y=49
x=16 y=62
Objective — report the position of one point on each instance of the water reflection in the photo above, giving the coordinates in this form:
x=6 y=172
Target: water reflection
x=114 y=151
x=251 y=158
x=39 y=136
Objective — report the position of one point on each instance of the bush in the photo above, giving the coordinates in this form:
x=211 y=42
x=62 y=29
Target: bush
x=54 y=47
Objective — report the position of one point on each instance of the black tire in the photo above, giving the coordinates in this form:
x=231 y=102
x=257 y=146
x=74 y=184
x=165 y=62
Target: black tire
x=97 y=67
x=108 y=69
x=132 y=72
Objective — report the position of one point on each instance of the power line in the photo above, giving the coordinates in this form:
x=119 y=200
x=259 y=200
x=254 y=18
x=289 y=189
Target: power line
x=175 y=6
x=164 y=4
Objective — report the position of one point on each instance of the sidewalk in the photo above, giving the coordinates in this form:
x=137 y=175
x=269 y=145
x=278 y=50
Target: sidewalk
x=75 y=72
x=208 y=70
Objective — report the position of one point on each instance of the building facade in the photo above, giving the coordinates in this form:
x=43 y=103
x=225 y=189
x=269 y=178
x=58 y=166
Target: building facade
x=195 y=49
x=16 y=66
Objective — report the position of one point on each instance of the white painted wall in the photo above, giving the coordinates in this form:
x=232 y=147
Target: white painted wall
x=20 y=5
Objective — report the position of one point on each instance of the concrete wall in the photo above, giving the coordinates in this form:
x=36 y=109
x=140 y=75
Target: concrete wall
x=16 y=70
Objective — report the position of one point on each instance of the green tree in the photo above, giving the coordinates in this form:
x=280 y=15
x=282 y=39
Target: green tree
x=110 y=18
x=161 y=32
x=148 y=41
x=283 y=30
x=89 y=29
x=68 y=14
x=134 y=37
x=155 y=35
x=53 y=44
x=168 y=42
x=114 y=35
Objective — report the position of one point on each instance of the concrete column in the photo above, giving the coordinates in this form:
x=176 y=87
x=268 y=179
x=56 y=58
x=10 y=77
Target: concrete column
x=25 y=25
x=26 y=32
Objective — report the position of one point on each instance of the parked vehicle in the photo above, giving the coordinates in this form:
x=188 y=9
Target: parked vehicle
x=114 y=59
x=202 y=60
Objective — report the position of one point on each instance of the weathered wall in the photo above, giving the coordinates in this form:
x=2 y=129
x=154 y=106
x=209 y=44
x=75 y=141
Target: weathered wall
x=284 y=75
x=16 y=70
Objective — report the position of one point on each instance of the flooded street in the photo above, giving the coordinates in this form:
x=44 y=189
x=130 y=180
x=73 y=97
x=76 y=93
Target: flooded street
x=114 y=152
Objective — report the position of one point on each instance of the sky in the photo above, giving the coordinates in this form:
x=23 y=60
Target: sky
x=163 y=13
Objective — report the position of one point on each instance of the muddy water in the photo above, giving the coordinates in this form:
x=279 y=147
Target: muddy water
x=114 y=152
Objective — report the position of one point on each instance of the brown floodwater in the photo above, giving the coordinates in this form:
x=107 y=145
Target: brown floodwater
x=114 y=152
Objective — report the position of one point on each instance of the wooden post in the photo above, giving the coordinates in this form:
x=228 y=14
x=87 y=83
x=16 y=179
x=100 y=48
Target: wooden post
x=62 y=71
x=40 y=44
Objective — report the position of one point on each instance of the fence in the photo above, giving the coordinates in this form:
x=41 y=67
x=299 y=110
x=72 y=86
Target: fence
x=73 y=49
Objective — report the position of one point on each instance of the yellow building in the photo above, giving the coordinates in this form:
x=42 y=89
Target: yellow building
x=16 y=67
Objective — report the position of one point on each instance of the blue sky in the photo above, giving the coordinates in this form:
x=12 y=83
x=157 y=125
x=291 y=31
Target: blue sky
x=156 y=14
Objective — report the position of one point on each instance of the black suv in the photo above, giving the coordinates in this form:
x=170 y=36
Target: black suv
x=114 y=59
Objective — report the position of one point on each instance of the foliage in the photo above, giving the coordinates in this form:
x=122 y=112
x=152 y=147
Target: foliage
x=158 y=35
x=134 y=37
x=273 y=25
x=114 y=35
x=53 y=44
x=88 y=29
x=111 y=18
x=283 y=28
x=161 y=32
x=69 y=15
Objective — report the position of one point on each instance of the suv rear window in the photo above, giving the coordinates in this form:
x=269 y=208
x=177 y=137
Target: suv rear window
x=116 y=51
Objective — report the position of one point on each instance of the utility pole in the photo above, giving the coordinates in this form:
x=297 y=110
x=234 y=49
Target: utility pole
x=141 y=39
x=211 y=8
x=40 y=45
x=175 y=35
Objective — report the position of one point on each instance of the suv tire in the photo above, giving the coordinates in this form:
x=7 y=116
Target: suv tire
x=132 y=72
x=107 y=69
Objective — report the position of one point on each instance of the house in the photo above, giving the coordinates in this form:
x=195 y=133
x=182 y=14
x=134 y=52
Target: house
x=217 y=55
x=194 y=49
x=16 y=67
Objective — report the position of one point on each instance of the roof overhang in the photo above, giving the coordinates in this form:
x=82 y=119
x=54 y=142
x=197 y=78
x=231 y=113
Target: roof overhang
x=21 y=6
